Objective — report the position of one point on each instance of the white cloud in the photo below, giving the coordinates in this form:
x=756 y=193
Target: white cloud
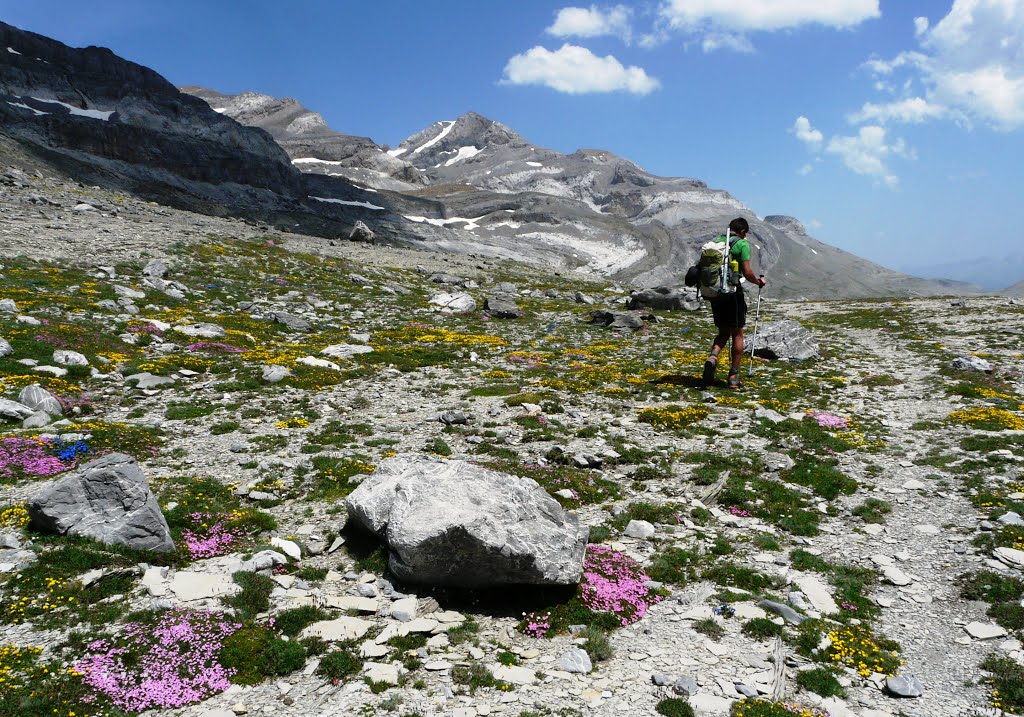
x=867 y=151
x=721 y=40
x=912 y=110
x=805 y=170
x=576 y=70
x=592 y=22
x=971 y=62
x=806 y=133
x=746 y=15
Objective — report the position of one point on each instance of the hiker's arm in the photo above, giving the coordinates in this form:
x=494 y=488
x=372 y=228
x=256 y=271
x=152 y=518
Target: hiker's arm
x=749 y=275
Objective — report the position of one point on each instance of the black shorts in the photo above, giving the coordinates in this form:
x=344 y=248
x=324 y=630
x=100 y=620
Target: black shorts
x=730 y=310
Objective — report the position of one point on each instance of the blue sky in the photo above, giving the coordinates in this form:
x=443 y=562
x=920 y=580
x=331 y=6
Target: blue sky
x=892 y=129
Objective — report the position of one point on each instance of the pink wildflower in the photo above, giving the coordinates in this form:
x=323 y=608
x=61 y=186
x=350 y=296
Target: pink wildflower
x=829 y=420
x=613 y=582
x=169 y=665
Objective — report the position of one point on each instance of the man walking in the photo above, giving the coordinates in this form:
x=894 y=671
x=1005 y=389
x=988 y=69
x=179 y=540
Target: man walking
x=730 y=309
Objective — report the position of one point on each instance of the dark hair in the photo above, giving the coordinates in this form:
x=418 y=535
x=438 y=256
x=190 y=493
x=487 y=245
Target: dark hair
x=739 y=224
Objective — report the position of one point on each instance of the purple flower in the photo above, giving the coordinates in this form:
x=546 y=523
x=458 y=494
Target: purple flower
x=208 y=540
x=615 y=583
x=168 y=665
x=21 y=457
x=829 y=420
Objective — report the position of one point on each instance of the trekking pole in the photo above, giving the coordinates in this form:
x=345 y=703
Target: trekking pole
x=753 y=341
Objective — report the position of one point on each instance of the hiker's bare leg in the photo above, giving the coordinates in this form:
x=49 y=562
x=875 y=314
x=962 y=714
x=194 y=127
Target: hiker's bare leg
x=720 y=341
x=737 y=350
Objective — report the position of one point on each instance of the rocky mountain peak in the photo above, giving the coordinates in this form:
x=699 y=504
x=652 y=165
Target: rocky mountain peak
x=786 y=224
x=447 y=142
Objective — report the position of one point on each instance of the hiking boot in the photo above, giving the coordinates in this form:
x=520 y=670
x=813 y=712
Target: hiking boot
x=709 y=370
x=734 y=382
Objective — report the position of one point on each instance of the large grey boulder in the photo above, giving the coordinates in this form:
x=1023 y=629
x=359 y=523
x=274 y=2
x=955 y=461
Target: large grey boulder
x=971 y=363
x=5 y=348
x=632 y=320
x=291 y=322
x=665 y=298
x=502 y=306
x=39 y=399
x=14 y=411
x=457 y=523
x=785 y=339
x=107 y=499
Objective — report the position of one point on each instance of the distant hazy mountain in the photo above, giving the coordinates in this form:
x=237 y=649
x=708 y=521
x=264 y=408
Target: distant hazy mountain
x=1014 y=290
x=990 y=275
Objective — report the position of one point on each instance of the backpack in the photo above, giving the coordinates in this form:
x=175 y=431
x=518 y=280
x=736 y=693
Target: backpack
x=716 y=274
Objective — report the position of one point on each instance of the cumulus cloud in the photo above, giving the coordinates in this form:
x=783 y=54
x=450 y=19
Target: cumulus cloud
x=592 y=22
x=576 y=70
x=806 y=133
x=721 y=40
x=867 y=151
x=912 y=110
x=749 y=15
x=970 y=63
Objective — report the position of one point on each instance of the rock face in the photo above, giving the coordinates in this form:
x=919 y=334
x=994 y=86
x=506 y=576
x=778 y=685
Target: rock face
x=107 y=499
x=456 y=523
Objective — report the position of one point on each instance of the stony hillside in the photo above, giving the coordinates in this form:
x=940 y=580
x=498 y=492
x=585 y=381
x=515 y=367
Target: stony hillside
x=843 y=535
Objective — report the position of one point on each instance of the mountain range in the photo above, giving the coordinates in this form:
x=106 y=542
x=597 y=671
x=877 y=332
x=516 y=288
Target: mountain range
x=469 y=185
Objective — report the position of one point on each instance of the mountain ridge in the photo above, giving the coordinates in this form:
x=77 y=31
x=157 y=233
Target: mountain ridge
x=469 y=185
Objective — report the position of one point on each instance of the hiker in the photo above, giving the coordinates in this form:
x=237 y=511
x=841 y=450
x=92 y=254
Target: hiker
x=730 y=309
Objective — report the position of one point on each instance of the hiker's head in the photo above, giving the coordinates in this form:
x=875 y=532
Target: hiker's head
x=739 y=224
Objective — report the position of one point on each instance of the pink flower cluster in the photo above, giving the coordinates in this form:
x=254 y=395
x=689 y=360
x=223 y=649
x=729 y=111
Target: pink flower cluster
x=537 y=625
x=615 y=583
x=829 y=420
x=52 y=340
x=30 y=457
x=216 y=347
x=209 y=539
x=168 y=665
x=145 y=329
x=69 y=403
x=743 y=513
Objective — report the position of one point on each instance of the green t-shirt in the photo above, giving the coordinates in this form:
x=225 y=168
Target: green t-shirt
x=741 y=251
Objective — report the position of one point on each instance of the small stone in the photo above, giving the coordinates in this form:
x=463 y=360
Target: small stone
x=640 y=529
x=984 y=631
x=896 y=576
x=685 y=686
x=576 y=661
x=904 y=686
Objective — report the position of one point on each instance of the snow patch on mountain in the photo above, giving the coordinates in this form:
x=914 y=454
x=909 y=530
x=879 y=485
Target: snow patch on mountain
x=447 y=124
x=463 y=153
x=366 y=205
x=471 y=224
x=78 y=111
